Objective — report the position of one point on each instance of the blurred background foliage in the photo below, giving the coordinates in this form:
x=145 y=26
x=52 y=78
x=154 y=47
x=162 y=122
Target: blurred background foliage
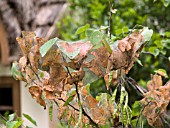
x=152 y=13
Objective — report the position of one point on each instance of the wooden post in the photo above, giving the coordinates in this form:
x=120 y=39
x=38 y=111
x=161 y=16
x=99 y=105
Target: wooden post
x=4 y=45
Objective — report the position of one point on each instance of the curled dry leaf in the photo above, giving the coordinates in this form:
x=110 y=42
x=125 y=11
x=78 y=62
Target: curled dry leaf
x=156 y=100
x=36 y=93
x=155 y=83
x=126 y=50
x=76 y=77
x=40 y=41
x=23 y=63
x=34 y=57
x=118 y=59
x=30 y=75
x=26 y=42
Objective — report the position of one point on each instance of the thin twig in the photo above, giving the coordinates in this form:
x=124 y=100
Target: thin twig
x=68 y=104
x=78 y=96
x=84 y=113
x=33 y=70
x=110 y=19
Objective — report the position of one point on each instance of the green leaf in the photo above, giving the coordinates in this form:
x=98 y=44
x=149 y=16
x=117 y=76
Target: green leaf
x=96 y=37
x=158 y=44
x=11 y=117
x=30 y=119
x=13 y=124
x=107 y=44
x=68 y=100
x=110 y=78
x=42 y=75
x=114 y=95
x=46 y=47
x=154 y=50
x=166 y=2
x=80 y=115
x=167 y=34
x=166 y=43
x=51 y=111
x=104 y=27
x=15 y=70
x=139 y=61
x=169 y=58
x=162 y=72
x=122 y=94
x=82 y=29
x=72 y=92
x=147 y=34
x=89 y=32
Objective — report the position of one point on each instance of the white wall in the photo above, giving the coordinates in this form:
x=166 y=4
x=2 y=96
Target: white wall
x=31 y=107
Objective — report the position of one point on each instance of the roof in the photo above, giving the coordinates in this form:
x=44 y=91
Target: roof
x=30 y=15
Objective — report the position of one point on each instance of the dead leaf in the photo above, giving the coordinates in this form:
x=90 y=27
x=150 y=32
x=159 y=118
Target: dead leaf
x=36 y=93
x=101 y=55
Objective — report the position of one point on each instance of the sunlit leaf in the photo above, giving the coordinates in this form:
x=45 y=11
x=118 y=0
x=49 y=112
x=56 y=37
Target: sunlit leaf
x=11 y=117
x=30 y=119
x=139 y=62
x=104 y=27
x=14 y=124
x=46 y=47
x=96 y=37
x=89 y=32
x=147 y=34
x=162 y=72
x=154 y=50
x=82 y=29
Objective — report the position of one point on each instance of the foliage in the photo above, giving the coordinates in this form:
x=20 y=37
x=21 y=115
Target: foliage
x=13 y=121
x=129 y=14
x=89 y=79
x=57 y=71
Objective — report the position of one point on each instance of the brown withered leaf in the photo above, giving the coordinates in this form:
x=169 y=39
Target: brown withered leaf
x=73 y=64
x=40 y=41
x=57 y=74
x=156 y=100
x=101 y=55
x=124 y=44
x=114 y=79
x=34 y=57
x=91 y=106
x=95 y=67
x=36 y=93
x=155 y=83
x=49 y=94
x=30 y=75
x=23 y=63
x=83 y=48
x=26 y=42
x=118 y=59
x=52 y=57
x=76 y=77
x=126 y=51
